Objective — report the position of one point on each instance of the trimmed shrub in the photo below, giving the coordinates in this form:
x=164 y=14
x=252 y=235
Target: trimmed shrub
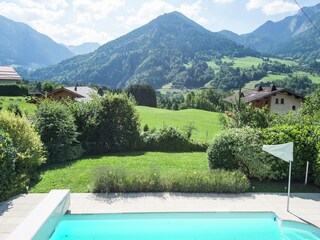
x=168 y=139
x=13 y=90
x=9 y=176
x=121 y=180
x=58 y=132
x=306 y=148
x=240 y=149
x=119 y=123
x=88 y=122
x=27 y=145
x=107 y=124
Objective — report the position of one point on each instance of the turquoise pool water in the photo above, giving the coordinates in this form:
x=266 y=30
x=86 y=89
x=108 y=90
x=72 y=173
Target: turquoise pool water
x=180 y=226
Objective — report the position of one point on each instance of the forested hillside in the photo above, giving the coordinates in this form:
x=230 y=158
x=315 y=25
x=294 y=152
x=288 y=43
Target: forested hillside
x=171 y=48
x=23 y=46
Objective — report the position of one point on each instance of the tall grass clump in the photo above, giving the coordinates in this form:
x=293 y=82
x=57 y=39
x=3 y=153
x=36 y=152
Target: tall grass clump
x=108 y=180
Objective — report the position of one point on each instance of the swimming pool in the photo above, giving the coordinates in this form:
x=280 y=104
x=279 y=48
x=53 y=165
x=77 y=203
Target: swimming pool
x=186 y=226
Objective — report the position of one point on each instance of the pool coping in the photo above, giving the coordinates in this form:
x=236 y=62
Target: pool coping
x=304 y=207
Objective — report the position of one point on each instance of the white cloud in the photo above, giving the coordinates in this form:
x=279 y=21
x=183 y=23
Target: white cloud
x=272 y=7
x=148 y=11
x=88 y=11
x=45 y=17
x=202 y=21
x=190 y=10
x=29 y=10
x=73 y=34
x=223 y=1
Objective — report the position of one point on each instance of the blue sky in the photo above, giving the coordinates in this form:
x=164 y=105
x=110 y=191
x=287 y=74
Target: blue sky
x=78 y=21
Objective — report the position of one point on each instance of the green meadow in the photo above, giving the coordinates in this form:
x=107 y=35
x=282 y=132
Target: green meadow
x=20 y=101
x=206 y=123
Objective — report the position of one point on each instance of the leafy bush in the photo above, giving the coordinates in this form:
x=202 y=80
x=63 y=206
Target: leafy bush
x=89 y=123
x=58 y=132
x=121 y=180
x=305 y=139
x=120 y=122
x=168 y=139
x=107 y=124
x=26 y=140
x=240 y=149
x=9 y=176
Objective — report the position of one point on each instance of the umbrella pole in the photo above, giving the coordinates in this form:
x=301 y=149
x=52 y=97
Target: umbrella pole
x=289 y=185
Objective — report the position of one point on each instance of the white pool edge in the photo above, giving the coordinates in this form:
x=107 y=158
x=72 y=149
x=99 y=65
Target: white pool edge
x=43 y=219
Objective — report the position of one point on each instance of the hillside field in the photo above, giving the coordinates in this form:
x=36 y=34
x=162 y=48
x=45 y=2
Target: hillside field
x=20 y=101
x=204 y=121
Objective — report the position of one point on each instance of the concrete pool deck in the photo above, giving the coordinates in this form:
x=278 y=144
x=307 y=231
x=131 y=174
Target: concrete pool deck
x=304 y=207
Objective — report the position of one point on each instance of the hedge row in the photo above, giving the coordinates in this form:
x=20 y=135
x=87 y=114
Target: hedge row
x=242 y=149
x=13 y=90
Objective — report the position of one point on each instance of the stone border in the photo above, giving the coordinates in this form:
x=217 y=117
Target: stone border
x=42 y=221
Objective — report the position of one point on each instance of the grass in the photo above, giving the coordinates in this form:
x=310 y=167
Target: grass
x=287 y=62
x=281 y=186
x=314 y=78
x=273 y=77
x=213 y=65
x=77 y=175
x=245 y=62
x=207 y=123
x=20 y=101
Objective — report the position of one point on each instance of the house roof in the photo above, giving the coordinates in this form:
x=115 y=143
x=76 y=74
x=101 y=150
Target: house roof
x=8 y=73
x=85 y=92
x=80 y=93
x=258 y=93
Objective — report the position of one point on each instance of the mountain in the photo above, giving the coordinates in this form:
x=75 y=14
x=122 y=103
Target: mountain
x=156 y=53
x=83 y=48
x=293 y=36
x=22 y=45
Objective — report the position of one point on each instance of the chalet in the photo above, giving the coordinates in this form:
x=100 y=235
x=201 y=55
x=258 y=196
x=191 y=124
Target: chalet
x=80 y=94
x=277 y=99
x=9 y=76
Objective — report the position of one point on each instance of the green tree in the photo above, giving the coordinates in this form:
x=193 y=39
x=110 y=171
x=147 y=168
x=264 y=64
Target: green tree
x=144 y=94
x=58 y=131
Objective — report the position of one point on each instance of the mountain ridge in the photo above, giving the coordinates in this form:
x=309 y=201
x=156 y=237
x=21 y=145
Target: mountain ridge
x=22 y=45
x=274 y=37
x=154 y=53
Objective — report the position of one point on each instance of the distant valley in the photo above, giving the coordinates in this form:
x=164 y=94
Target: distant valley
x=171 y=51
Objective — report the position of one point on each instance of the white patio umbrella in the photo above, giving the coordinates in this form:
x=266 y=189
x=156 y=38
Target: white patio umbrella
x=284 y=152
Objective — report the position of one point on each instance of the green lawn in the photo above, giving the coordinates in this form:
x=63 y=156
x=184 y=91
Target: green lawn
x=204 y=121
x=77 y=175
x=20 y=101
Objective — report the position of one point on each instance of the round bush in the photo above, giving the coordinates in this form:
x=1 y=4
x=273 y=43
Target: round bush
x=26 y=140
x=57 y=128
x=240 y=149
